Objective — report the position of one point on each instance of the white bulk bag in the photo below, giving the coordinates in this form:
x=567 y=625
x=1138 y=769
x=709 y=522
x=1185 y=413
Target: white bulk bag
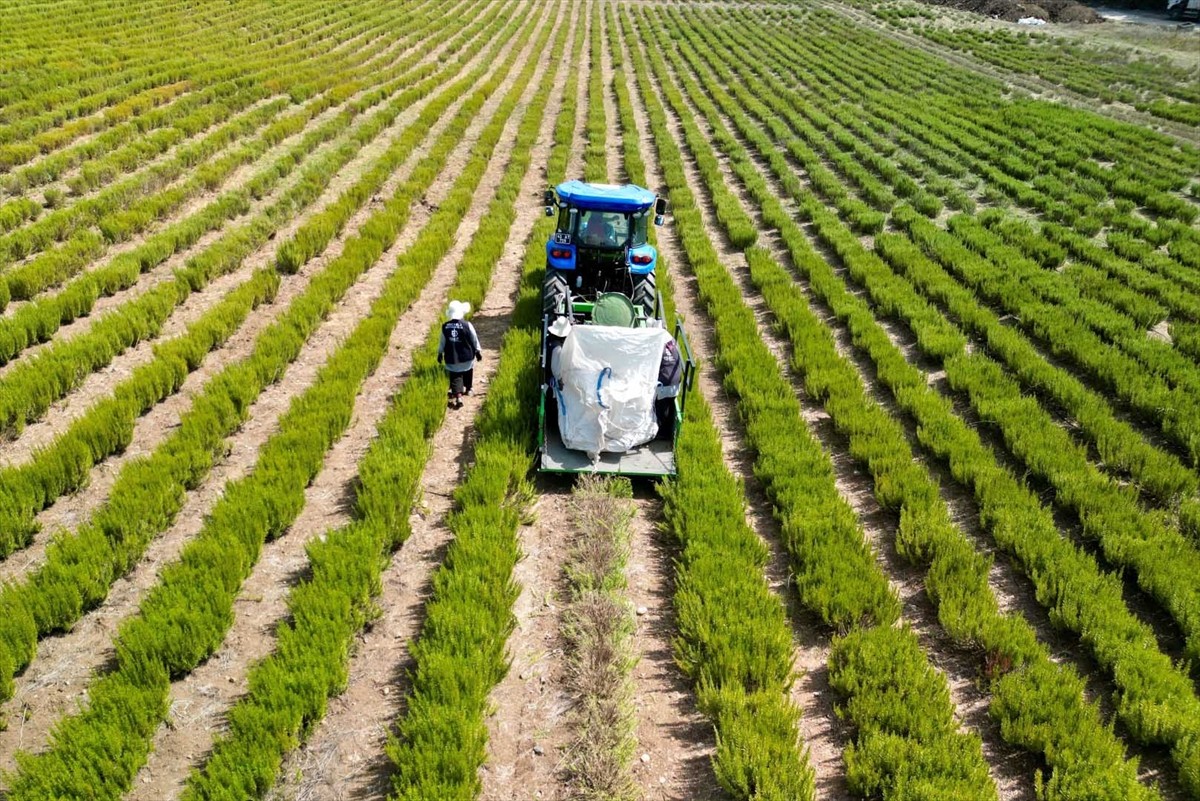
x=609 y=376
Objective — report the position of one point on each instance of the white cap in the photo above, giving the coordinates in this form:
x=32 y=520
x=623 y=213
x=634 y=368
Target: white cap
x=458 y=309
x=560 y=327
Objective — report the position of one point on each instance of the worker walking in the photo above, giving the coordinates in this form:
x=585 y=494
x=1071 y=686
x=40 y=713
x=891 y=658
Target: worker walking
x=458 y=349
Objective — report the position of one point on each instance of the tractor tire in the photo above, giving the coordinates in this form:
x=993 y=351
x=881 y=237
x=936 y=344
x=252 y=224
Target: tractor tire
x=556 y=294
x=645 y=293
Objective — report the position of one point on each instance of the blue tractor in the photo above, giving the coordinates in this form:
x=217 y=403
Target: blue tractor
x=602 y=244
x=614 y=378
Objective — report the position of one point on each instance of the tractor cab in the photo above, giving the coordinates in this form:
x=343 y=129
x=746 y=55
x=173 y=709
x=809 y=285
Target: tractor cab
x=614 y=375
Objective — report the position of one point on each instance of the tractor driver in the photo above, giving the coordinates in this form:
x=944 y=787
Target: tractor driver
x=596 y=230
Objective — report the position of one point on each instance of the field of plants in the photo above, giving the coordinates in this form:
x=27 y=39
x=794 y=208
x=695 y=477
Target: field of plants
x=936 y=529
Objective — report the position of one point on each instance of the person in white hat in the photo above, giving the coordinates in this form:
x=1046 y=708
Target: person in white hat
x=557 y=331
x=458 y=350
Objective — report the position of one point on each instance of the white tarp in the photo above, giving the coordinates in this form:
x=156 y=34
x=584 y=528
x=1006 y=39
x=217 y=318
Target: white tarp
x=609 y=376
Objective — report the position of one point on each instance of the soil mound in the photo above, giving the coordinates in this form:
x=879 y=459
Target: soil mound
x=1013 y=10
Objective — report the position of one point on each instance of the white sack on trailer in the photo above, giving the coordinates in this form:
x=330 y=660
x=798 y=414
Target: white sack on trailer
x=609 y=376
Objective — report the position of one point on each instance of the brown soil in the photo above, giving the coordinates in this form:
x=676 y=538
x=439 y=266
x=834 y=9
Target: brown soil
x=1013 y=10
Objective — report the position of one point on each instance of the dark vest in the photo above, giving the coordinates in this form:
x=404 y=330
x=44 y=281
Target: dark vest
x=459 y=349
x=670 y=369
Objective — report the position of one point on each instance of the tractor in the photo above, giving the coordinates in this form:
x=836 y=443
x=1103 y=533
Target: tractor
x=614 y=378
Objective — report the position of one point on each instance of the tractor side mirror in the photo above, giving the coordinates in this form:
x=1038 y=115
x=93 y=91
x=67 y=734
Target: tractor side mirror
x=660 y=210
x=548 y=201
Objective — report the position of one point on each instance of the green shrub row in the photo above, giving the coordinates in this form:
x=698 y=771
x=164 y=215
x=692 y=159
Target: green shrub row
x=63 y=90
x=1058 y=164
x=288 y=691
x=958 y=577
x=54 y=266
x=38 y=321
x=836 y=572
x=596 y=132
x=1050 y=194
x=1175 y=410
x=65 y=464
x=138 y=113
x=1121 y=448
x=1108 y=76
x=64 y=222
x=1156 y=700
x=149 y=492
x=30 y=387
x=1160 y=555
x=824 y=528
x=1173 y=292
x=136 y=130
x=1129 y=536
x=1163 y=562
x=183 y=620
x=318 y=230
x=17 y=212
x=1157 y=357
x=738 y=651
x=61 y=261
x=1066 y=579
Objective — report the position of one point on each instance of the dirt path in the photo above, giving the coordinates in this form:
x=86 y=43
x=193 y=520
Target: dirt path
x=528 y=732
x=614 y=143
x=345 y=752
x=152 y=428
x=213 y=687
x=64 y=663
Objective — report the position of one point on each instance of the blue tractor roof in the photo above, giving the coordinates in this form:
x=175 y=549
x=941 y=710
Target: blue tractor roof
x=605 y=197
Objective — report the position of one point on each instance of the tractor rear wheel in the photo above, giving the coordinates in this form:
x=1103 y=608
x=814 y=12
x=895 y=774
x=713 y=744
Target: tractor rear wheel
x=556 y=294
x=645 y=293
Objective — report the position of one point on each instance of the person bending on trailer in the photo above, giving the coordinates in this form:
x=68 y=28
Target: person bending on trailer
x=458 y=349
x=670 y=376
